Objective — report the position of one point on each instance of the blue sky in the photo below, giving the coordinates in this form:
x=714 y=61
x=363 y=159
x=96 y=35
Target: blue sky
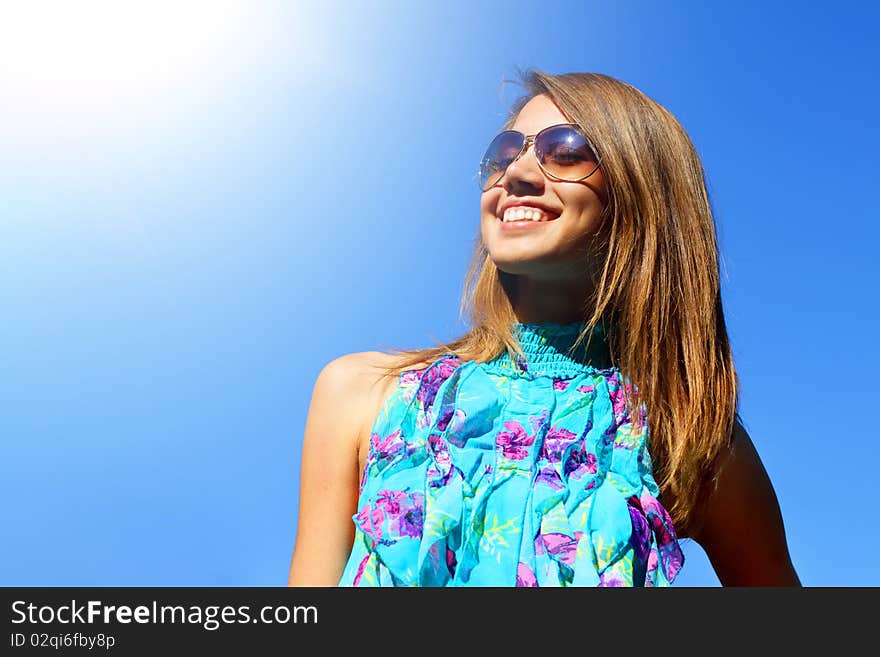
x=202 y=206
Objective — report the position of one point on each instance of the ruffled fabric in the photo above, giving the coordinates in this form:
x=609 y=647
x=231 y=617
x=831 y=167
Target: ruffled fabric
x=512 y=473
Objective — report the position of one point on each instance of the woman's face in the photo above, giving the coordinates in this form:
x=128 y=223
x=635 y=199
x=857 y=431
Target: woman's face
x=551 y=251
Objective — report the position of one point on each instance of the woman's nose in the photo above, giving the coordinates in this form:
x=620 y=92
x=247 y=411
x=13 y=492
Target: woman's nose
x=524 y=169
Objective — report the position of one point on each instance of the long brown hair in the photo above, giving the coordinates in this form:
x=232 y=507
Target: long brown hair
x=658 y=291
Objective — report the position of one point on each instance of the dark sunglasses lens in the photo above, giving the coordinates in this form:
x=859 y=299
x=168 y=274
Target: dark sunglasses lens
x=501 y=152
x=565 y=153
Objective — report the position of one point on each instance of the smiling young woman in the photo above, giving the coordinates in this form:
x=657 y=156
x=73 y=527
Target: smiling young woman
x=587 y=422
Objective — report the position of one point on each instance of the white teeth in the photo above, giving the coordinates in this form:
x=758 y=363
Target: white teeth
x=520 y=213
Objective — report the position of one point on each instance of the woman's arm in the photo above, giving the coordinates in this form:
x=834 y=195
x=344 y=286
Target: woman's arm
x=743 y=535
x=329 y=478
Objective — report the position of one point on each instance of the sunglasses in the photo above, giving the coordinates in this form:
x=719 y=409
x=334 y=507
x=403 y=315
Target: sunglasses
x=562 y=152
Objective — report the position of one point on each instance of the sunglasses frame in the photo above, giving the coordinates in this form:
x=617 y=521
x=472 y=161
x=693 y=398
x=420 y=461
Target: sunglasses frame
x=530 y=140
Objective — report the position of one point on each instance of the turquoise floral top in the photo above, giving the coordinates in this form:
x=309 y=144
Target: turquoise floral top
x=512 y=473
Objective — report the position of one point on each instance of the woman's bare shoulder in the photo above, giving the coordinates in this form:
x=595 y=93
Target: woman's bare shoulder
x=363 y=374
x=377 y=385
x=373 y=389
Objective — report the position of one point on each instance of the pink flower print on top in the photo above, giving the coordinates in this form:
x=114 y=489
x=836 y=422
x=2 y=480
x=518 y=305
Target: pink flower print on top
x=433 y=378
x=440 y=470
x=360 y=570
x=382 y=449
x=670 y=553
x=611 y=578
x=652 y=567
x=390 y=501
x=412 y=517
x=446 y=414
x=409 y=383
x=580 y=462
x=549 y=476
x=525 y=576
x=555 y=442
x=612 y=379
x=440 y=450
x=451 y=561
x=389 y=445
x=618 y=392
x=640 y=538
x=405 y=513
x=561 y=547
x=514 y=443
x=370 y=520
x=560 y=383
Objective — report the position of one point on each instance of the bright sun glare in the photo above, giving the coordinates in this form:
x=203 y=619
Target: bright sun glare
x=102 y=56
